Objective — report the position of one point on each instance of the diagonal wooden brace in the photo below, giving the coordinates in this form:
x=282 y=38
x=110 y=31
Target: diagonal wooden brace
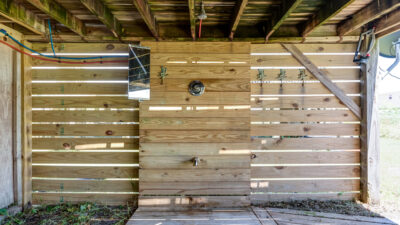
x=323 y=78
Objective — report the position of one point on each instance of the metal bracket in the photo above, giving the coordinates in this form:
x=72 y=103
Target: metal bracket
x=282 y=76
x=302 y=75
x=260 y=76
x=163 y=74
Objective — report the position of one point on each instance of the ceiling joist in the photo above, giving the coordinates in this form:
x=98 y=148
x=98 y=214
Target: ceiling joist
x=287 y=8
x=388 y=24
x=105 y=15
x=17 y=13
x=239 y=9
x=371 y=12
x=328 y=11
x=192 y=16
x=148 y=17
x=57 y=12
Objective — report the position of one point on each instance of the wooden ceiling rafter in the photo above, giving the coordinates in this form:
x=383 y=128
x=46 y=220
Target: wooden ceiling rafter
x=239 y=9
x=192 y=16
x=105 y=15
x=328 y=11
x=388 y=24
x=19 y=14
x=144 y=10
x=369 y=13
x=287 y=8
x=57 y=12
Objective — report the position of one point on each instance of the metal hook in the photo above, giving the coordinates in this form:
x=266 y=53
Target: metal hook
x=282 y=76
x=260 y=76
x=302 y=75
x=163 y=74
x=196 y=161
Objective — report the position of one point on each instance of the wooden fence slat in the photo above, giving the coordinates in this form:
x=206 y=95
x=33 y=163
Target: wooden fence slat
x=305 y=172
x=84 y=172
x=165 y=59
x=304 y=129
x=85 y=185
x=79 y=48
x=300 y=102
x=105 y=199
x=211 y=85
x=305 y=157
x=300 y=89
x=209 y=98
x=307 y=48
x=206 y=47
x=288 y=60
x=195 y=175
x=293 y=74
x=180 y=149
x=75 y=75
x=159 y=123
x=86 y=157
x=305 y=144
x=198 y=73
x=305 y=185
x=79 y=88
x=84 y=102
x=303 y=115
x=85 y=143
x=85 y=130
x=262 y=198
x=170 y=136
x=85 y=116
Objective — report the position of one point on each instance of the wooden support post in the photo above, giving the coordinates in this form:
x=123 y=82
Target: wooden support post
x=323 y=78
x=17 y=13
x=239 y=9
x=369 y=13
x=145 y=12
x=105 y=15
x=61 y=14
x=192 y=15
x=369 y=131
x=329 y=10
x=287 y=8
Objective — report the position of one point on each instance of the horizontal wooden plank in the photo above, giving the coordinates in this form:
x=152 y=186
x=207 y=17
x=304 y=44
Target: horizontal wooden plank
x=300 y=102
x=288 y=60
x=84 y=102
x=80 y=75
x=85 y=130
x=303 y=115
x=194 y=136
x=177 y=203
x=197 y=73
x=85 y=143
x=206 y=59
x=305 y=186
x=105 y=199
x=84 y=172
x=85 y=116
x=304 y=129
x=293 y=74
x=258 y=199
x=306 y=48
x=305 y=172
x=209 y=98
x=305 y=157
x=211 y=85
x=193 y=175
x=86 y=157
x=217 y=111
x=79 y=48
x=305 y=143
x=195 y=188
x=186 y=162
x=198 y=149
x=198 y=47
x=79 y=88
x=228 y=123
x=85 y=185
x=299 y=89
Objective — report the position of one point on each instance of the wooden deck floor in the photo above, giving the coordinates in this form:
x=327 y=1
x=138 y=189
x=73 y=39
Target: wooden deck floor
x=250 y=216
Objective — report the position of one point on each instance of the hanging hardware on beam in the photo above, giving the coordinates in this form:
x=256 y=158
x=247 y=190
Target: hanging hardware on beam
x=260 y=76
x=163 y=74
x=302 y=75
x=282 y=76
x=362 y=57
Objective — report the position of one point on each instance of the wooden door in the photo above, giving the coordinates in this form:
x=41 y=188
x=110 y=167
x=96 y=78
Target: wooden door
x=214 y=128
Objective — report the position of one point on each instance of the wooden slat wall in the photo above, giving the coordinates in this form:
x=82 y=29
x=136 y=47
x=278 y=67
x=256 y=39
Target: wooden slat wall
x=95 y=158
x=305 y=142
x=175 y=127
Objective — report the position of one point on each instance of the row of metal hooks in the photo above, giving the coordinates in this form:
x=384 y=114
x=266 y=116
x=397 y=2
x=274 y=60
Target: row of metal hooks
x=282 y=76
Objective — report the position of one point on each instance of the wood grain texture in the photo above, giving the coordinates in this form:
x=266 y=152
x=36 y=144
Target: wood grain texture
x=160 y=59
x=79 y=88
x=288 y=60
x=85 y=116
x=84 y=102
x=305 y=157
x=262 y=198
x=304 y=129
x=303 y=115
x=306 y=48
x=104 y=199
x=86 y=157
x=212 y=85
x=299 y=89
x=194 y=136
x=85 y=143
x=85 y=130
x=191 y=72
x=293 y=74
x=85 y=185
x=305 y=185
x=305 y=172
x=84 y=172
x=198 y=149
x=65 y=74
x=300 y=102
x=159 y=123
x=199 y=47
x=305 y=144
x=208 y=98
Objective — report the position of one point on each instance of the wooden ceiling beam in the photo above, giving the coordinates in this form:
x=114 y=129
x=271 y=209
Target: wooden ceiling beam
x=192 y=16
x=369 y=13
x=287 y=7
x=388 y=23
x=105 y=15
x=148 y=17
x=57 y=12
x=328 y=11
x=17 y=13
x=239 y=9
